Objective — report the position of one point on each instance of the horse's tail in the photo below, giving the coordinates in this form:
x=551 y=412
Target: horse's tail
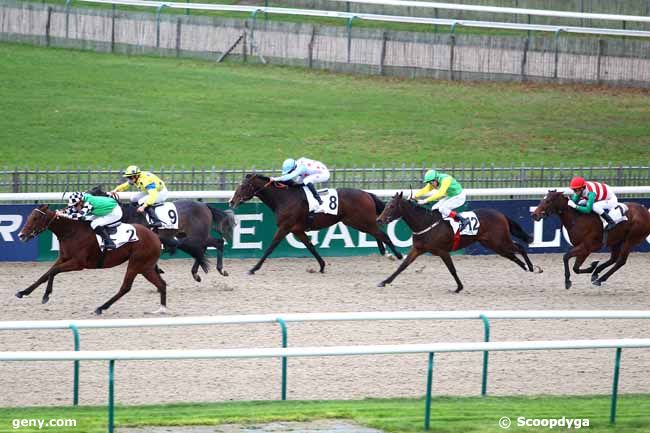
x=379 y=205
x=518 y=232
x=223 y=222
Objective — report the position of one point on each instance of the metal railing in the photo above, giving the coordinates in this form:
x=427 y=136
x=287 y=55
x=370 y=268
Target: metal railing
x=26 y=180
x=284 y=319
x=284 y=353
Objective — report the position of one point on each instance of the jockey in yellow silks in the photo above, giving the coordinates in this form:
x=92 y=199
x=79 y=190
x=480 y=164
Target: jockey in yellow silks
x=152 y=191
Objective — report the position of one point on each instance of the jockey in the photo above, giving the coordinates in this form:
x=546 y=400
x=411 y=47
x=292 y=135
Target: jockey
x=100 y=211
x=448 y=188
x=152 y=191
x=304 y=171
x=599 y=198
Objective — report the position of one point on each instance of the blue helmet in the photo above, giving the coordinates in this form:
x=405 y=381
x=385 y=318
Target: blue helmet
x=288 y=165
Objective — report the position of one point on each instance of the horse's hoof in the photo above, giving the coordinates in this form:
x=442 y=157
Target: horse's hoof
x=399 y=256
x=458 y=290
x=45 y=300
x=537 y=269
x=161 y=310
x=19 y=295
x=567 y=285
x=224 y=273
x=382 y=284
x=597 y=283
x=196 y=277
x=390 y=257
x=251 y=272
x=98 y=311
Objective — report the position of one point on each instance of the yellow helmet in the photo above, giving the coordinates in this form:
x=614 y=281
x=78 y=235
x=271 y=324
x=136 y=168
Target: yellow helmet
x=132 y=170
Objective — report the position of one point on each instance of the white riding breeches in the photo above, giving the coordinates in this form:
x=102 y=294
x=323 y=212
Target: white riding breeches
x=114 y=216
x=322 y=176
x=447 y=204
x=605 y=205
x=141 y=197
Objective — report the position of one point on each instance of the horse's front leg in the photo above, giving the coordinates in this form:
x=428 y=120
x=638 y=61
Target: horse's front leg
x=67 y=266
x=581 y=254
x=302 y=236
x=446 y=258
x=279 y=235
x=41 y=280
x=410 y=257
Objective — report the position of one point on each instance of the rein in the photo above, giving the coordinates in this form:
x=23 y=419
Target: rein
x=36 y=233
x=427 y=229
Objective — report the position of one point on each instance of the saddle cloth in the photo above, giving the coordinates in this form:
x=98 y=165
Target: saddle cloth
x=617 y=214
x=471 y=229
x=120 y=234
x=330 y=199
x=167 y=213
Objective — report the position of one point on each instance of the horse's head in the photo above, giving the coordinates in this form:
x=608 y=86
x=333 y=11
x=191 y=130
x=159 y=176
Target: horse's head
x=250 y=186
x=392 y=211
x=554 y=202
x=37 y=222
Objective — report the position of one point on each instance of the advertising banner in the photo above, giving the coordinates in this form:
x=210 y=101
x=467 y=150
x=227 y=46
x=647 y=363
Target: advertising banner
x=256 y=227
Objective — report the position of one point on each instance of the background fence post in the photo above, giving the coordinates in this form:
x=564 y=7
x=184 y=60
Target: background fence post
x=427 y=400
x=283 y=327
x=75 y=390
x=617 y=367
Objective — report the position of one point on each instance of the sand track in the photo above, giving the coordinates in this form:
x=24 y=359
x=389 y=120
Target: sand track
x=349 y=284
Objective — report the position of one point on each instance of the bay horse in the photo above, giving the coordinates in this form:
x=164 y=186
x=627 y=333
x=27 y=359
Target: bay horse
x=79 y=250
x=586 y=234
x=357 y=209
x=432 y=234
x=195 y=221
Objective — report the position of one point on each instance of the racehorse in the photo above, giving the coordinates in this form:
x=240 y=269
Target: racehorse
x=195 y=220
x=79 y=250
x=586 y=234
x=431 y=234
x=357 y=209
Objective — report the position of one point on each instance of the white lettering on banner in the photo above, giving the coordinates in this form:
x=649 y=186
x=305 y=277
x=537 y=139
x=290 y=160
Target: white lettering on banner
x=331 y=235
x=364 y=242
x=292 y=241
x=14 y=224
x=538 y=234
x=55 y=243
x=390 y=230
x=240 y=231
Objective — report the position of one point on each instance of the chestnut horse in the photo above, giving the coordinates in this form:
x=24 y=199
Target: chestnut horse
x=586 y=234
x=432 y=234
x=79 y=250
x=357 y=209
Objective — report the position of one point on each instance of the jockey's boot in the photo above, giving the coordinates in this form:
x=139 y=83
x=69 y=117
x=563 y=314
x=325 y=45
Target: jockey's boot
x=610 y=222
x=464 y=222
x=108 y=242
x=312 y=188
x=155 y=222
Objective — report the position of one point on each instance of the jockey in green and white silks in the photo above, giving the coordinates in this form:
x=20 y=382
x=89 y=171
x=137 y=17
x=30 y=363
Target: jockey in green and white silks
x=100 y=211
x=449 y=193
x=304 y=171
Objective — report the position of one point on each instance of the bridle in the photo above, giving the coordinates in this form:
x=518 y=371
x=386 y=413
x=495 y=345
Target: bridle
x=35 y=233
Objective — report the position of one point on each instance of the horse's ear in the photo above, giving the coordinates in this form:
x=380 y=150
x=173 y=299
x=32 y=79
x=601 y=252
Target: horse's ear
x=43 y=207
x=401 y=194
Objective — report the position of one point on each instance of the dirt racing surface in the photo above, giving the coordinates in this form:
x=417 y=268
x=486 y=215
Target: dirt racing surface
x=349 y=284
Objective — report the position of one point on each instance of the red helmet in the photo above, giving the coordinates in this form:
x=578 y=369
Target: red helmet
x=577 y=182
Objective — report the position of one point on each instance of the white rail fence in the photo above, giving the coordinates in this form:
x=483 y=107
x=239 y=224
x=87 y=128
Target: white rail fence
x=54 y=197
x=284 y=353
x=453 y=23
x=284 y=319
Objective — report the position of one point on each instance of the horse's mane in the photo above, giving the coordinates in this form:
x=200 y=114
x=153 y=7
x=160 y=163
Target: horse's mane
x=261 y=176
x=423 y=211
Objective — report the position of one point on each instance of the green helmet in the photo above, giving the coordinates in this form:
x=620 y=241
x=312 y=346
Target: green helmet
x=430 y=176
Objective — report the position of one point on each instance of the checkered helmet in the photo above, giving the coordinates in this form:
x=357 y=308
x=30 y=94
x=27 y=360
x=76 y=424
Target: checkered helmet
x=75 y=198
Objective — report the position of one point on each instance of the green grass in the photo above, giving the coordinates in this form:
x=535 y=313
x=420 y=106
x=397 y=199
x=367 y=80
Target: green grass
x=73 y=108
x=448 y=415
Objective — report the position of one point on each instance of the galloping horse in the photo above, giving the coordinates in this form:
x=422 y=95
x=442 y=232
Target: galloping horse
x=195 y=219
x=432 y=234
x=79 y=250
x=357 y=209
x=586 y=235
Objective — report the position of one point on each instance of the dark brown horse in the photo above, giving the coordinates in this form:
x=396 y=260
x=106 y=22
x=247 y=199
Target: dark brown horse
x=586 y=234
x=432 y=234
x=357 y=209
x=195 y=220
x=79 y=250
